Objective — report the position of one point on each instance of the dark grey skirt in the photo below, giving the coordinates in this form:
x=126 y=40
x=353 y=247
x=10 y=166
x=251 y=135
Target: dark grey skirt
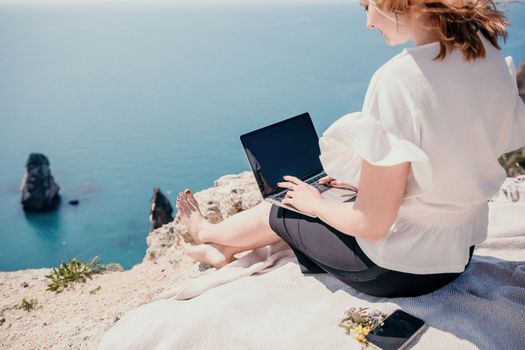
x=320 y=248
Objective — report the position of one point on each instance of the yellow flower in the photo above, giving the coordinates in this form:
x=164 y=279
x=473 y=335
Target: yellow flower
x=362 y=329
x=360 y=338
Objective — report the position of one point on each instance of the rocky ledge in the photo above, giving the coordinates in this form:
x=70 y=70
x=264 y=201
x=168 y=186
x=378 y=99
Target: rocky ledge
x=78 y=317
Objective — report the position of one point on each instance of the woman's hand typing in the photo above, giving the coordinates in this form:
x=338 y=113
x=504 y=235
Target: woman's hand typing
x=330 y=181
x=300 y=195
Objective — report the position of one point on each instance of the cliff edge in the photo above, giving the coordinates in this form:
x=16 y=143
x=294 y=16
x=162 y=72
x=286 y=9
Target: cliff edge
x=78 y=317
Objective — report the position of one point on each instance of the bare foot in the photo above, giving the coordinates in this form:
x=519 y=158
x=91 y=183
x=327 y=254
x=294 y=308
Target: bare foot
x=190 y=214
x=210 y=253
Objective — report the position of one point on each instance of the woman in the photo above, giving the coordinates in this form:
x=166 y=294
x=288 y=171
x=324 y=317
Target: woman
x=423 y=152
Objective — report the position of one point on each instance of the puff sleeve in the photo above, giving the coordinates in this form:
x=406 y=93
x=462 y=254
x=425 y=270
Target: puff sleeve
x=385 y=133
x=517 y=133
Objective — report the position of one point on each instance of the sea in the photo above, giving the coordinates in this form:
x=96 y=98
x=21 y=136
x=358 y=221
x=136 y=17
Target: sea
x=124 y=96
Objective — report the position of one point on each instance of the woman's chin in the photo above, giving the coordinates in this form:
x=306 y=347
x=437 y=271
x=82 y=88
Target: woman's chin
x=390 y=42
x=387 y=40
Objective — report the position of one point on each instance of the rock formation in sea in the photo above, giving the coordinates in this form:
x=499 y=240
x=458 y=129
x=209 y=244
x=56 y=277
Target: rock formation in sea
x=160 y=209
x=521 y=80
x=39 y=190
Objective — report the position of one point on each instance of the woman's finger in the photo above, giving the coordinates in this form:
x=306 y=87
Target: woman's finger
x=288 y=185
x=292 y=179
x=325 y=179
x=296 y=181
x=289 y=201
x=339 y=184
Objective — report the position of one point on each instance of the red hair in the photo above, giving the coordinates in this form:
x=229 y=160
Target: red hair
x=457 y=23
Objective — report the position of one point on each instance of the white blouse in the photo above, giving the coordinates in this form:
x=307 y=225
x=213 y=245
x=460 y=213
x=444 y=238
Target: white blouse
x=450 y=119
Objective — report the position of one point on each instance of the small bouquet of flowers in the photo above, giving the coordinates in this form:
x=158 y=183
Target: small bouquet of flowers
x=360 y=321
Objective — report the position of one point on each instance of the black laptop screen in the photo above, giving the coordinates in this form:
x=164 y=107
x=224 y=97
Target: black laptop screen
x=289 y=147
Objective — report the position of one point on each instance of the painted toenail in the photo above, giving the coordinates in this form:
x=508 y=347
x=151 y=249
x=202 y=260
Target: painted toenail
x=187 y=191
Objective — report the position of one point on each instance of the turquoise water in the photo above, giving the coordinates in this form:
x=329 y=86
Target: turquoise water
x=126 y=97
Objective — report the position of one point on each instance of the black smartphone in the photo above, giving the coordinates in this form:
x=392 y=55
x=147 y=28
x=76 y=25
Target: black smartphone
x=397 y=331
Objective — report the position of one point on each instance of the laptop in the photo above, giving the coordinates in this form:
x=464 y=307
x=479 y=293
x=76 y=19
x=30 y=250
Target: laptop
x=289 y=147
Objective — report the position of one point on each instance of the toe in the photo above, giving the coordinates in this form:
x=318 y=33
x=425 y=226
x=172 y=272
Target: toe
x=185 y=210
x=179 y=203
x=190 y=209
x=191 y=199
x=185 y=202
x=179 y=209
x=193 y=204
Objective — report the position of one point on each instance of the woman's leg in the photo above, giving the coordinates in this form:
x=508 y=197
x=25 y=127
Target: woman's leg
x=243 y=231
x=215 y=254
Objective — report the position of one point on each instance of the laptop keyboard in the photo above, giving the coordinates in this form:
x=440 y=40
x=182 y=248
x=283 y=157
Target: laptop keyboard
x=320 y=187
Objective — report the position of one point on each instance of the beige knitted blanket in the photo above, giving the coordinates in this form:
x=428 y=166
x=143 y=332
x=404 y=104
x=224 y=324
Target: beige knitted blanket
x=263 y=301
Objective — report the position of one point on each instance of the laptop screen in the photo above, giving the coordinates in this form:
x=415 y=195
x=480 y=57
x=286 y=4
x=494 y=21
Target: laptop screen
x=289 y=147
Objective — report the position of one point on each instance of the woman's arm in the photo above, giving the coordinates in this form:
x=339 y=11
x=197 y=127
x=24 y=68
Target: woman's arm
x=381 y=190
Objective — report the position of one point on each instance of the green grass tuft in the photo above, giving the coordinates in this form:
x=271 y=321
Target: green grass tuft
x=72 y=272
